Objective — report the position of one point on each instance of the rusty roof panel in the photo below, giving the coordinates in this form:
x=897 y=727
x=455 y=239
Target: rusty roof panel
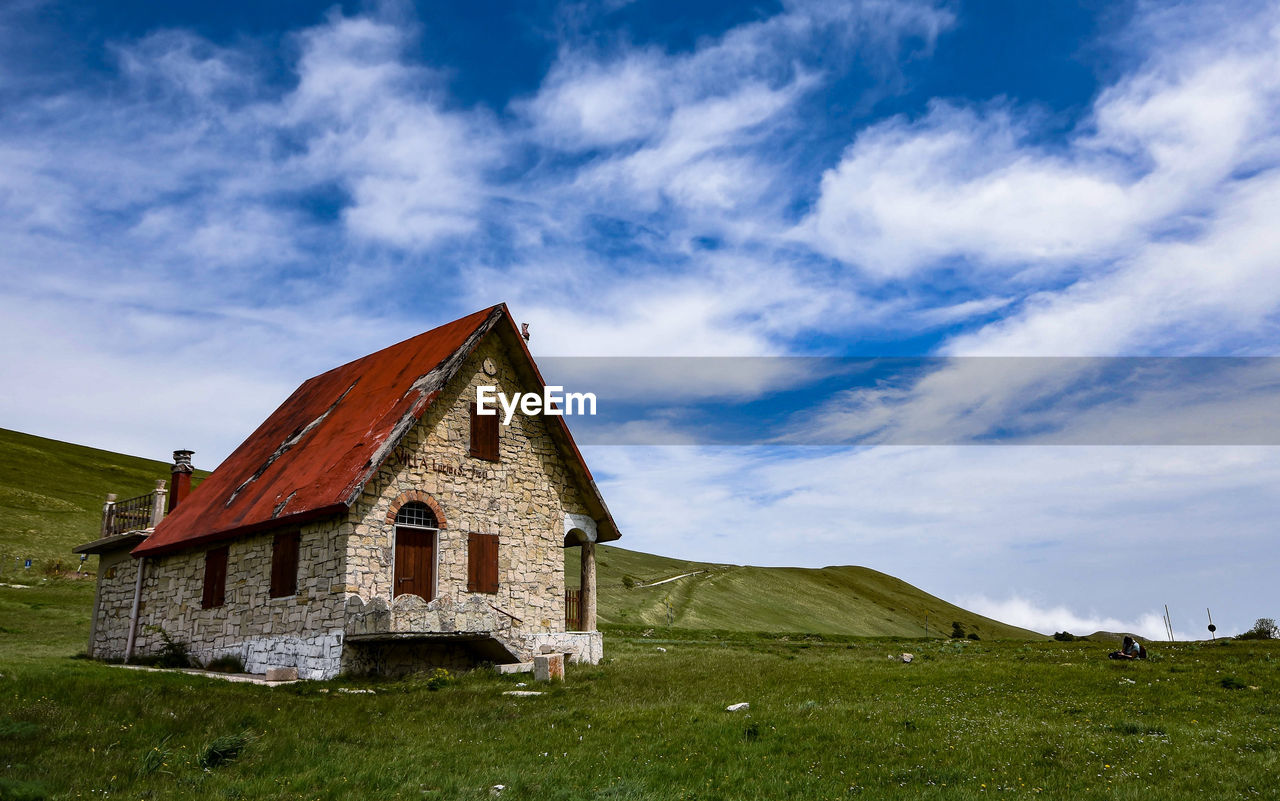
x=315 y=452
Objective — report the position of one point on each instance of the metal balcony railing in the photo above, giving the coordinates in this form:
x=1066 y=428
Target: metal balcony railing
x=133 y=514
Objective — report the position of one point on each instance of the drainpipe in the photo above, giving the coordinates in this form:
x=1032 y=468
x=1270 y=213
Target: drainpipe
x=133 y=615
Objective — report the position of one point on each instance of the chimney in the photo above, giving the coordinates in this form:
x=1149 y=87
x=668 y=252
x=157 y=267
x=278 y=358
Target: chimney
x=181 y=485
x=524 y=331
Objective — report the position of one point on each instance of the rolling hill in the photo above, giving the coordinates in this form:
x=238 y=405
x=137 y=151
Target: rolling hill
x=638 y=589
x=51 y=496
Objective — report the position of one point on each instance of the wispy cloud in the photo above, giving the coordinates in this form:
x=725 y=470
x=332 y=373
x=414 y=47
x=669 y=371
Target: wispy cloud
x=1146 y=230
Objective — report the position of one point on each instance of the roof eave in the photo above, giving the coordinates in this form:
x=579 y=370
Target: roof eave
x=286 y=521
x=113 y=542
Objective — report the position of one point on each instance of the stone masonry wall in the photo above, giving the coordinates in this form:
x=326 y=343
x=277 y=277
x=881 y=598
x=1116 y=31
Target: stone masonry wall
x=117 y=573
x=522 y=498
x=303 y=630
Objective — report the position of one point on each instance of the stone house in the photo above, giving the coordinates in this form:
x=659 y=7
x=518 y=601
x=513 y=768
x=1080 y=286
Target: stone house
x=373 y=523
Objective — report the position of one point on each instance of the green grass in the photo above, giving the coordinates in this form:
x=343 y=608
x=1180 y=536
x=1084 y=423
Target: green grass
x=830 y=717
x=830 y=600
x=51 y=496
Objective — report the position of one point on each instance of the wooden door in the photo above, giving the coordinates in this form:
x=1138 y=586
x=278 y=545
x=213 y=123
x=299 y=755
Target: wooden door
x=415 y=562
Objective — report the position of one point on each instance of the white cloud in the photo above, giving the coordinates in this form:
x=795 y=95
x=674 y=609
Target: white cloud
x=698 y=131
x=415 y=171
x=584 y=104
x=1053 y=619
x=1213 y=294
x=724 y=304
x=1160 y=148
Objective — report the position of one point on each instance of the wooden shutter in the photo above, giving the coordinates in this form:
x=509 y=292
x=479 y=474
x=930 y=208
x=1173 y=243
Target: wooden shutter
x=215 y=578
x=284 y=564
x=484 y=435
x=482 y=562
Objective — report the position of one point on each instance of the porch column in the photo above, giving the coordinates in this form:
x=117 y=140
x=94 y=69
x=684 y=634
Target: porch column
x=588 y=612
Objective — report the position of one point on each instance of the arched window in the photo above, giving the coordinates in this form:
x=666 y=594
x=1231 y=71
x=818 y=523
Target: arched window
x=416 y=514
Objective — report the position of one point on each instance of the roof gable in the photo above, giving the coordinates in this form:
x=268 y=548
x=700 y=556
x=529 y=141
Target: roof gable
x=312 y=457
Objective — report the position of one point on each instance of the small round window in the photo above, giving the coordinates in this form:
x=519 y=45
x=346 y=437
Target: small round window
x=416 y=514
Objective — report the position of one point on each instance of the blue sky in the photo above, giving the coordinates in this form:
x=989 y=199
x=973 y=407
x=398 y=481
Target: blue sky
x=201 y=206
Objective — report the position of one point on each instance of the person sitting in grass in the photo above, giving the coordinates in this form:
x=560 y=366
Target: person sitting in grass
x=1132 y=649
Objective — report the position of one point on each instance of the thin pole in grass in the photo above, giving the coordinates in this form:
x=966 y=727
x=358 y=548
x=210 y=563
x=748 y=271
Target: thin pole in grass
x=1168 y=622
x=1212 y=628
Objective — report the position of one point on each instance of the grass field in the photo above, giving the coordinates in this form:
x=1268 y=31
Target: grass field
x=830 y=717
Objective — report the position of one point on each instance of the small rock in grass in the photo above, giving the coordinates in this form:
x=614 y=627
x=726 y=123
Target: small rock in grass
x=663 y=650
x=908 y=657
x=737 y=707
x=497 y=789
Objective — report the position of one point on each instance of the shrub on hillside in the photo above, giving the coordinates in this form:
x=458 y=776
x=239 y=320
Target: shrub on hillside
x=957 y=630
x=1064 y=636
x=1264 y=628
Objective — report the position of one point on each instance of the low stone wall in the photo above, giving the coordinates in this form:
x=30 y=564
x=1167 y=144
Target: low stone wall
x=409 y=614
x=316 y=656
x=585 y=647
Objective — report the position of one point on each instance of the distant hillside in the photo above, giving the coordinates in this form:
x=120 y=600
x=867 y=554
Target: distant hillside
x=51 y=495
x=831 y=600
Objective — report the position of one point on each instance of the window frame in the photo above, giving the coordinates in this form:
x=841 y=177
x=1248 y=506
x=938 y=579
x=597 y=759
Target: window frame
x=427 y=523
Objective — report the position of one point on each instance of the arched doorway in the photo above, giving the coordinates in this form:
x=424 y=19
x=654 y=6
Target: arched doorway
x=415 y=552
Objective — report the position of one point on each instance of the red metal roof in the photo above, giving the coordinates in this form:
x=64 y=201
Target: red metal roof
x=313 y=455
